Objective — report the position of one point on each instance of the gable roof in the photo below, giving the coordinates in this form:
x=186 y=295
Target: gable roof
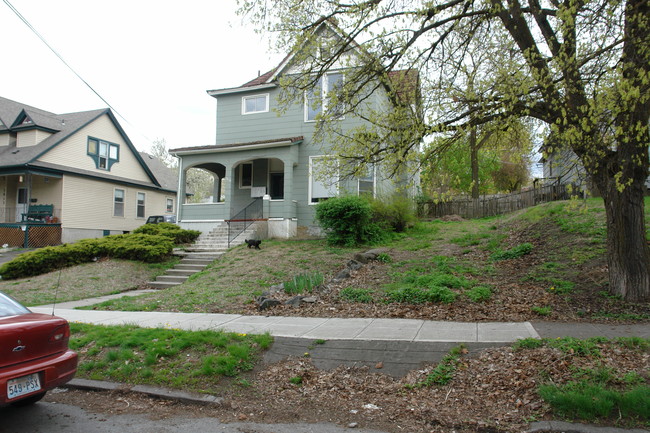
x=62 y=126
x=405 y=82
x=167 y=178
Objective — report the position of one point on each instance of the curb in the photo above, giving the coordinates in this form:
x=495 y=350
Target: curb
x=150 y=391
x=567 y=427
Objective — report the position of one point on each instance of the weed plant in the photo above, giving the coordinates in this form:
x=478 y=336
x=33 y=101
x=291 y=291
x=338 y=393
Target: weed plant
x=363 y=296
x=444 y=371
x=303 y=283
x=513 y=253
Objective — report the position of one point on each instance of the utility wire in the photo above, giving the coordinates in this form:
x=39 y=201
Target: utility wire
x=24 y=20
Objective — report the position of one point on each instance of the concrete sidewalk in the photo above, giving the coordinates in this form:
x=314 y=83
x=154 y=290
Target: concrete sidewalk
x=409 y=330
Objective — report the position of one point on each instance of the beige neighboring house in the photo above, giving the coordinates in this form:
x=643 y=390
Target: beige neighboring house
x=65 y=177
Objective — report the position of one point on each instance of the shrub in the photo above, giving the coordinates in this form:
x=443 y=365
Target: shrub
x=179 y=235
x=143 y=247
x=395 y=213
x=347 y=221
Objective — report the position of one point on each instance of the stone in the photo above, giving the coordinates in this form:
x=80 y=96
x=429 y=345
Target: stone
x=376 y=251
x=261 y=298
x=353 y=425
x=276 y=288
x=353 y=265
x=295 y=301
x=363 y=258
x=343 y=275
x=310 y=299
x=268 y=303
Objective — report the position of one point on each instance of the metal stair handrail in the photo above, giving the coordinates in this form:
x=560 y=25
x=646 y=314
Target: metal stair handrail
x=247 y=216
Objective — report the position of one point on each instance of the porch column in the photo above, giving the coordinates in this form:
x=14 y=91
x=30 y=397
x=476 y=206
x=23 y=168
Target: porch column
x=230 y=189
x=289 y=208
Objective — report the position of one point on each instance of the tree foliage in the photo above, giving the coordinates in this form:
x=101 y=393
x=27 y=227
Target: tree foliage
x=580 y=66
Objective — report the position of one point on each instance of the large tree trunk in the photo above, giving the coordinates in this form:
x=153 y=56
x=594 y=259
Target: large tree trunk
x=628 y=255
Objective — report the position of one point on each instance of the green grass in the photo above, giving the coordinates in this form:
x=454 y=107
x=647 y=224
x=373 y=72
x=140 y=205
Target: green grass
x=198 y=359
x=444 y=371
x=351 y=294
x=84 y=281
x=585 y=400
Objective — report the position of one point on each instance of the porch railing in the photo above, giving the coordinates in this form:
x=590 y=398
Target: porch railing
x=244 y=218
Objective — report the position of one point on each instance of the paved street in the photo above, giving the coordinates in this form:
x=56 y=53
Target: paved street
x=47 y=417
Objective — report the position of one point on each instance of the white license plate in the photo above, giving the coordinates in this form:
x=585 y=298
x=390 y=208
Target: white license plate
x=23 y=385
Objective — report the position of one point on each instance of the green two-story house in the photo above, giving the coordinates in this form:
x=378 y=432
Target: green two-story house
x=266 y=163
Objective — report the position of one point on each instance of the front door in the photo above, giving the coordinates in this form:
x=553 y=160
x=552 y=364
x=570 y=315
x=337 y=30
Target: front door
x=21 y=203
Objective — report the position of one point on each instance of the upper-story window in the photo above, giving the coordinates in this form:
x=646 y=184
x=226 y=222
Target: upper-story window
x=104 y=154
x=255 y=104
x=317 y=100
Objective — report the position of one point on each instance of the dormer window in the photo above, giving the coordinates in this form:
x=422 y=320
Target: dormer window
x=255 y=104
x=104 y=154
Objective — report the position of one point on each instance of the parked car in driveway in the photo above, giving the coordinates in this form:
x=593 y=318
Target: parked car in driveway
x=155 y=219
x=34 y=353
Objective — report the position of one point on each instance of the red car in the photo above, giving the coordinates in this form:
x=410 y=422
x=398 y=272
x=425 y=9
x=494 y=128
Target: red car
x=34 y=354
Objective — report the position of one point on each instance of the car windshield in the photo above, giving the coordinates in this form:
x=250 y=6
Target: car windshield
x=10 y=307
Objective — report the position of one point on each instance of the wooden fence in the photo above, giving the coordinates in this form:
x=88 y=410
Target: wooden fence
x=495 y=205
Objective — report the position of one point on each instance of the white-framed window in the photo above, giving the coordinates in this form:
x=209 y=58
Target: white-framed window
x=140 y=204
x=316 y=99
x=323 y=178
x=366 y=181
x=246 y=175
x=170 y=205
x=255 y=104
x=104 y=154
x=118 y=202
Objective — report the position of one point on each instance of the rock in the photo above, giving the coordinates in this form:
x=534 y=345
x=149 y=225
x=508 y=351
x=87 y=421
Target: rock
x=261 y=298
x=310 y=299
x=343 y=275
x=268 y=303
x=276 y=288
x=295 y=301
x=353 y=425
x=376 y=251
x=353 y=265
x=363 y=257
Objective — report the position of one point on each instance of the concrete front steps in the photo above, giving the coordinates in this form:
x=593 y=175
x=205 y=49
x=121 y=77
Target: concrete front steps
x=190 y=264
x=207 y=248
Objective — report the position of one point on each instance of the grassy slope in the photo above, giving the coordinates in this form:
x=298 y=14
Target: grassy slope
x=83 y=281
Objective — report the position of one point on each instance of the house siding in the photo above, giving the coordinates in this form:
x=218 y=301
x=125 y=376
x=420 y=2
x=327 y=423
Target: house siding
x=88 y=204
x=26 y=138
x=74 y=151
x=4 y=139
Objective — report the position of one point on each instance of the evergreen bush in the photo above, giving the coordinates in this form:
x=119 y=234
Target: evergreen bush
x=347 y=221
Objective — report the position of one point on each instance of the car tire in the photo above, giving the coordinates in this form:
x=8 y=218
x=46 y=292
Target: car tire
x=29 y=400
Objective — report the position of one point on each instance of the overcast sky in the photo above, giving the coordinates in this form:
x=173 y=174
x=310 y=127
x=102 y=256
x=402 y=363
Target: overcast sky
x=151 y=60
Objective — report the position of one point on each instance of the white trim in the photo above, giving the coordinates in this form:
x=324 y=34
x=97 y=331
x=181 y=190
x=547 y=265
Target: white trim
x=220 y=203
x=241 y=174
x=310 y=178
x=266 y=96
x=374 y=182
x=236 y=148
x=144 y=205
x=324 y=91
x=230 y=90
x=123 y=203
